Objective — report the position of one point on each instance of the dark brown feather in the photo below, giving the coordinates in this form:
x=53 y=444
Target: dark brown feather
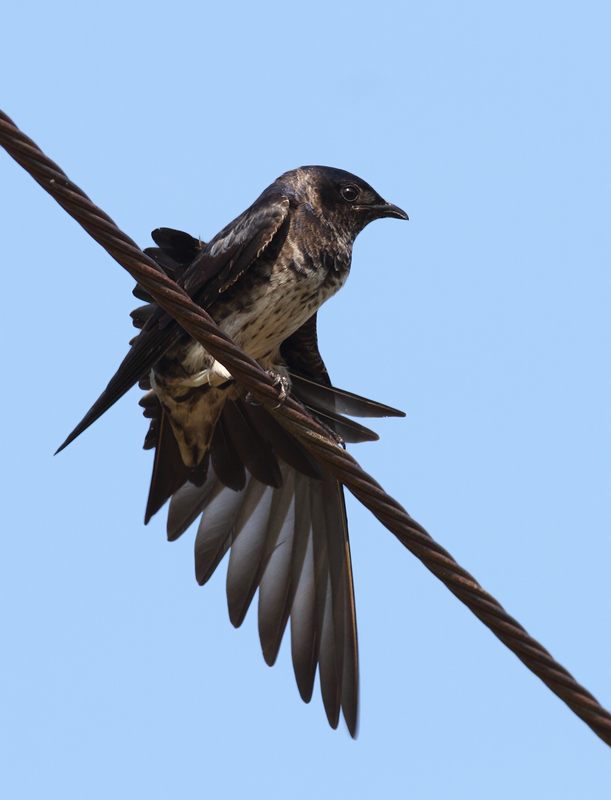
x=216 y=266
x=349 y=430
x=178 y=245
x=252 y=449
x=282 y=443
x=169 y=470
x=301 y=354
x=226 y=462
x=339 y=401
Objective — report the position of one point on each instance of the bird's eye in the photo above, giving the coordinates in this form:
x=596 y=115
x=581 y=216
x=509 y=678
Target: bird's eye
x=350 y=193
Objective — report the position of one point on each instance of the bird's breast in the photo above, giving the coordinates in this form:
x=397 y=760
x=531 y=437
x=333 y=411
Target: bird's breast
x=273 y=299
x=265 y=305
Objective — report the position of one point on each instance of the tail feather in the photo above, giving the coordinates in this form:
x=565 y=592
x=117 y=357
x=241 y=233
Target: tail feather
x=169 y=470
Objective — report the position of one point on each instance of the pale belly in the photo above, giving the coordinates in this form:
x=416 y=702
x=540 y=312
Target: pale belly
x=274 y=309
x=267 y=309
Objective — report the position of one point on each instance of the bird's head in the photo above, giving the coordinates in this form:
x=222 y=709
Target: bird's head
x=339 y=197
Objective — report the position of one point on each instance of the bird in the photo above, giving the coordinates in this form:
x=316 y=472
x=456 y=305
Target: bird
x=223 y=458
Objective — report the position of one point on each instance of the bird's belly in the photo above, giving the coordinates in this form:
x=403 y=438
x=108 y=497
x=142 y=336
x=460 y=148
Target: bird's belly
x=268 y=304
x=270 y=316
x=260 y=319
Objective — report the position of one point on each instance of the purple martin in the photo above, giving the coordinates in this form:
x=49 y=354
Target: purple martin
x=220 y=457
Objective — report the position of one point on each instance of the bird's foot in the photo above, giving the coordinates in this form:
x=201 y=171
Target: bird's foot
x=283 y=382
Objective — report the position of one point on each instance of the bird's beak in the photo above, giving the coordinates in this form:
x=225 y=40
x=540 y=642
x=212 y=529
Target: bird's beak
x=390 y=210
x=382 y=210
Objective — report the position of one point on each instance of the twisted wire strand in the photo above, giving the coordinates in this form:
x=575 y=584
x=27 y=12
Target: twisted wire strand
x=294 y=418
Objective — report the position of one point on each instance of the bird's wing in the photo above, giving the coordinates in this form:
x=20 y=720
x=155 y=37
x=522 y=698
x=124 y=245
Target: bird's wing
x=219 y=264
x=311 y=385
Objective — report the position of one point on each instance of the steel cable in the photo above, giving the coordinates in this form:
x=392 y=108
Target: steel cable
x=294 y=417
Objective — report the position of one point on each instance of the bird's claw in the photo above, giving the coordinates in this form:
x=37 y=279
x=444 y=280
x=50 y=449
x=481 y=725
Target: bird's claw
x=284 y=384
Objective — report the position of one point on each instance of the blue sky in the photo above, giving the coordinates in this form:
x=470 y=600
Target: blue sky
x=486 y=318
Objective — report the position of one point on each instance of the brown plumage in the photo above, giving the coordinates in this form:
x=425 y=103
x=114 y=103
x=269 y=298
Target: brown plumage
x=258 y=491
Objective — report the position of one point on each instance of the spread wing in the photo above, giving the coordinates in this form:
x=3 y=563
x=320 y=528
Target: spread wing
x=217 y=265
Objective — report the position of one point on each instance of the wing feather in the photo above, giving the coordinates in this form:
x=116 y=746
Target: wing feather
x=339 y=401
x=348 y=429
x=219 y=264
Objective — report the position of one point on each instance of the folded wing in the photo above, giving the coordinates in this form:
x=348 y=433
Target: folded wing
x=216 y=265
